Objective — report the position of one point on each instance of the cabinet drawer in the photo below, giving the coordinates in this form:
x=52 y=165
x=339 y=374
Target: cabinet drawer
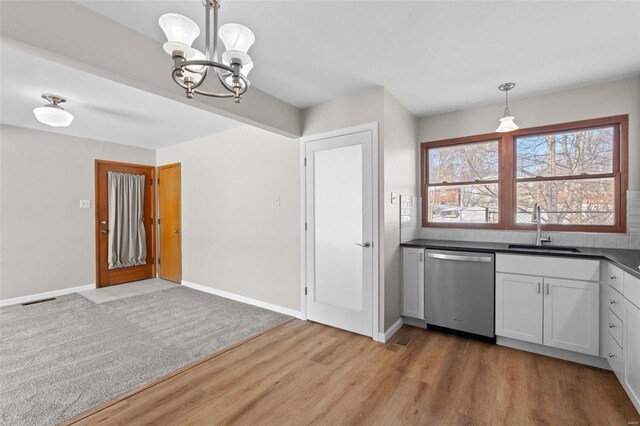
x=632 y=289
x=615 y=327
x=615 y=302
x=547 y=266
x=615 y=277
x=615 y=356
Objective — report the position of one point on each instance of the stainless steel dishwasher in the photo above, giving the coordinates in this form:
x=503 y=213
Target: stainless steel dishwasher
x=460 y=292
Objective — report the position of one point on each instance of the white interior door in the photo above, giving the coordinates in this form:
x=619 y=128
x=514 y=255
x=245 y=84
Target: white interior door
x=339 y=217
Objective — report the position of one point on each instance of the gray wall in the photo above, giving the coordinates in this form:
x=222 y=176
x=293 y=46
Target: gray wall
x=47 y=240
x=109 y=49
x=397 y=150
x=400 y=170
x=235 y=237
x=600 y=100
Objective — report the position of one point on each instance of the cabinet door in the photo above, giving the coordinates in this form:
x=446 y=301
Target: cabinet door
x=571 y=315
x=413 y=282
x=631 y=350
x=519 y=307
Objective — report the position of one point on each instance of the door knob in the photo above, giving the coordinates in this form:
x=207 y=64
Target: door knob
x=176 y=231
x=366 y=244
x=104 y=231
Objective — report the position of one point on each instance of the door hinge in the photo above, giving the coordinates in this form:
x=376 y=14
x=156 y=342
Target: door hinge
x=305 y=226
x=158 y=181
x=158 y=221
x=305 y=161
x=305 y=291
x=158 y=261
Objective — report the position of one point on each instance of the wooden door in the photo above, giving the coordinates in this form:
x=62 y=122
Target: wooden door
x=519 y=307
x=170 y=225
x=413 y=282
x=572 y=315
x=104 y=275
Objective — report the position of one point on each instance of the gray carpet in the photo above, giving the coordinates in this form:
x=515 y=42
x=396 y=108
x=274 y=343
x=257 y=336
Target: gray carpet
x=61 y=358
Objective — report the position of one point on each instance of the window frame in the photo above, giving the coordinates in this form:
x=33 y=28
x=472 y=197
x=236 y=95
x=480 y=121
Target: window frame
x=507 y=177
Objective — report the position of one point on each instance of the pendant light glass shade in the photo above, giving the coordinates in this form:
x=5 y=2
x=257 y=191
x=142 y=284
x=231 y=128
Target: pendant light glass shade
x=236 y=37
x=244 y=71
x=231 y=56
x=196 y=55
x=507 y=125
x=180 y=32
x=53 y=115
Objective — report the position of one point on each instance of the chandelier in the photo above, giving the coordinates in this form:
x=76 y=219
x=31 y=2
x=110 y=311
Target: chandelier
x=191 y=67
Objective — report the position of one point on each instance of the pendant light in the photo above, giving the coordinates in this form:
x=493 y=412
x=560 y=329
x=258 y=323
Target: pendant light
x=506 y=122
x=53 y=114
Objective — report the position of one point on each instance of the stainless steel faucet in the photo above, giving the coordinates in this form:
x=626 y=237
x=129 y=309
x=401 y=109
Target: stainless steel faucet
x=536 y=217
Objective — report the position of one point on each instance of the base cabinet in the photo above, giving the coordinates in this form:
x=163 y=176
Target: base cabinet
x=519 y=307
x=631 y=351
x=571 y=315
x=413 y=282
x=554 y=312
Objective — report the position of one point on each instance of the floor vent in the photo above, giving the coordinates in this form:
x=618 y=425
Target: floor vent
x=33 y=302
x=404 y=340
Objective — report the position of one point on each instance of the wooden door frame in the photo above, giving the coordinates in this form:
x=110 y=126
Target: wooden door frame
x=159 y=243
x=152 y=170
x=377 y=301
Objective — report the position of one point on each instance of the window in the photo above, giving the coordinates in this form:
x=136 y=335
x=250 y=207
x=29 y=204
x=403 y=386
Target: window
x=576 y=171
x=463 y=183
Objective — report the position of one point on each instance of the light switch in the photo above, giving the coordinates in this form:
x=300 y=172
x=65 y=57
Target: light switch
x=394 y=198
x=278 y=201
x=85 y=204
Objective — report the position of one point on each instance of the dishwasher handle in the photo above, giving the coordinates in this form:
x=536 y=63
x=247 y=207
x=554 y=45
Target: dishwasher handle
x=459 y=258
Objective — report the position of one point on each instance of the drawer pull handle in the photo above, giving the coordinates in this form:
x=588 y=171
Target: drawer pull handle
x=613 y=277
x=611 y=355
x=611 y=301
x=612 y=325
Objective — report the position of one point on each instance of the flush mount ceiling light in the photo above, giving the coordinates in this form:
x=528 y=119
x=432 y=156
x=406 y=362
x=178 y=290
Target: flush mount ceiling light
x=53 y=114
x=506 y=122
x=191 y=67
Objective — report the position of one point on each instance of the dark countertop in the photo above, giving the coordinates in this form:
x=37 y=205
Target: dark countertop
x=628 y=260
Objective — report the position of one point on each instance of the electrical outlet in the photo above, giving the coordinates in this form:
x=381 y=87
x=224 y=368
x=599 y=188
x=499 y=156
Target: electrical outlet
x=85 y=204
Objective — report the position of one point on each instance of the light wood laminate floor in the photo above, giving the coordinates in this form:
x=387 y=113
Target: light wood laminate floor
x=306 y=373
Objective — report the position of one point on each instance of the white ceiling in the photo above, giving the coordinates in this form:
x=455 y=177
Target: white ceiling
x=434 y=56
x=102 y=109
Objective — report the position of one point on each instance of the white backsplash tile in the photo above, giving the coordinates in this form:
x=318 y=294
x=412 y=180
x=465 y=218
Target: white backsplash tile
x=629 y=240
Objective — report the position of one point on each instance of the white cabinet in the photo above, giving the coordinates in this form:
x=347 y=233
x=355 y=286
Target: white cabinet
x=571 y=315
x=550 y=311
x=631 y=350
x=560 y=309
x=413 y=282
x=519 y=307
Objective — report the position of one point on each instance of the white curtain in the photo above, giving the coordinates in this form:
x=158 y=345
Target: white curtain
x=127 y=237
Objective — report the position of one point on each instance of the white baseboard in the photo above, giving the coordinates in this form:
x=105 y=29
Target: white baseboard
x=48 y=294
x=244 y=299
x=384 y=337
x=591 y=360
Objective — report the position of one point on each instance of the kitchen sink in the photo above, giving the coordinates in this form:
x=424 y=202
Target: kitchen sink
x=543 y=248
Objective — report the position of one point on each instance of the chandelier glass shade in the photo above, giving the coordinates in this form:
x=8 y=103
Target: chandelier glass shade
x=192 y=67
x=506 y=122
x=53 y=114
